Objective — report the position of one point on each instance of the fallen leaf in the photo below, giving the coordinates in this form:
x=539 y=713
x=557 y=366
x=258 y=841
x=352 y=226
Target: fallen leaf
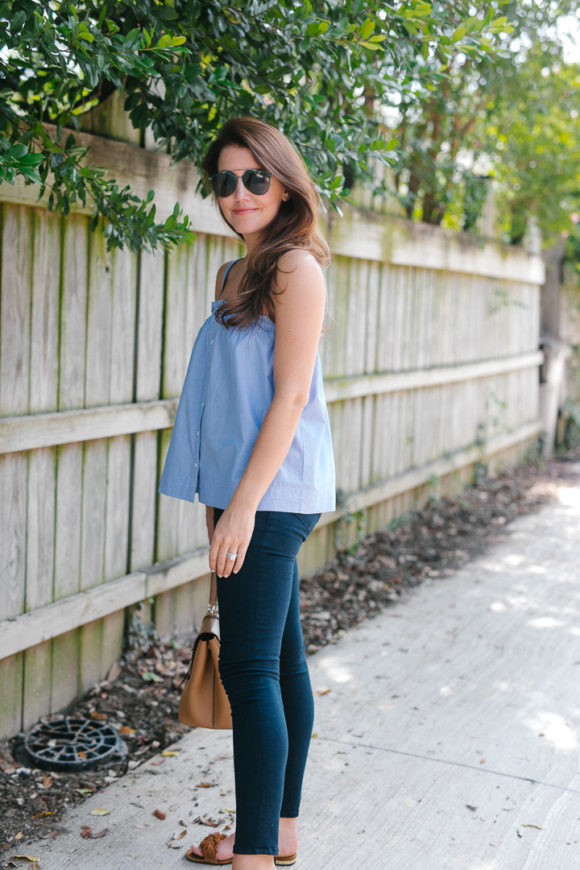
x=46 y=781
x=99 y=716
x=45 y=813
x=126 y=730
x=25 y=858
x=205 y=784
x=99 y=811
x=171 y=753
x=314 y=734
x=7 y=763
x=19 y=835
x=204 y=820
x=227 y=810
x=519 y=833
x=85 y=790
x=322 y=691
x=471 y=807
x=151 y=677
x=537 y=827
x=160 y=814
x=179 y=836
x=88 y=834
x=114 y=672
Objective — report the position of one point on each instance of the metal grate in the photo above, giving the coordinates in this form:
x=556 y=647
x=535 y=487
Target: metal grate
x=73 y=744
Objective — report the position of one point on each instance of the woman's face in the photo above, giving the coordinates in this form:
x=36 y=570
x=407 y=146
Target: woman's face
x=248 y=213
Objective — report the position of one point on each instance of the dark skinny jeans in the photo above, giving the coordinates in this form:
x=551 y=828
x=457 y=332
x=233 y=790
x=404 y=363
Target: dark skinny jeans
x=263 y=668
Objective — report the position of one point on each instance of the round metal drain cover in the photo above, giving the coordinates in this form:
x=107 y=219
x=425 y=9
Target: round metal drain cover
x=73 y=744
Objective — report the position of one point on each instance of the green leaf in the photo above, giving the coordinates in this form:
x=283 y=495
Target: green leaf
x=459 y=33
x=366 y=30
x=31 y=159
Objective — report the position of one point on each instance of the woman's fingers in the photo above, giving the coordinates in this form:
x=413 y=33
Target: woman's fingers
x=229 y=545
x=227 y=558
x=237 y=565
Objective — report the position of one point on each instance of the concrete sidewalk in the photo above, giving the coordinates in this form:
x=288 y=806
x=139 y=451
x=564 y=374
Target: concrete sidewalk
x=446 y=734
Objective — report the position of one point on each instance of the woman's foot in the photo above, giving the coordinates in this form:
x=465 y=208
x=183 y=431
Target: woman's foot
x=287 y=842
x=224 y=849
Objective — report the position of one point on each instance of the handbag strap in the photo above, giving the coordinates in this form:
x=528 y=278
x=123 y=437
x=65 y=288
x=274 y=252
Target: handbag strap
x=213 y=605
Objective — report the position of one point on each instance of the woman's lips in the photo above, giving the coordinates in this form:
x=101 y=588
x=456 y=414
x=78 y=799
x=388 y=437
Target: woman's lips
x=244 y=210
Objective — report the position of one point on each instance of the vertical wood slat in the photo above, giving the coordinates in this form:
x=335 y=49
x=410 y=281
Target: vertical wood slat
x=149 y=348
x=15 y=312
x=76 y=268
x=174 y=368
x=73 y=317
x=43 y=396
x=41 y=513
x=15 y=324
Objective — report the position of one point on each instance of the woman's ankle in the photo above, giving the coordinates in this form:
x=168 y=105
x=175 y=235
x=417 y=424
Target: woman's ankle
x=287 y=836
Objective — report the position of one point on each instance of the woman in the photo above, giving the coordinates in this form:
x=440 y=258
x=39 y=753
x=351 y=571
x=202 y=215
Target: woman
x=252 y=439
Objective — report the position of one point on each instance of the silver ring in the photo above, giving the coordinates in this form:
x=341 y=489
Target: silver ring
x=232 y=556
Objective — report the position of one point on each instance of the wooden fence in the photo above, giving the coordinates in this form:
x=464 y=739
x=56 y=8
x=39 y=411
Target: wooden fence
x=431 y=367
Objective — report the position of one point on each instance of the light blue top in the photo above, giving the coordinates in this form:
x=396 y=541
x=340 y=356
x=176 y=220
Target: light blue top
x=228 y=389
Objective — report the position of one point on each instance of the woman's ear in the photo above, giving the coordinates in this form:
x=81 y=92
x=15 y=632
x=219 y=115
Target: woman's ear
x=285 y=196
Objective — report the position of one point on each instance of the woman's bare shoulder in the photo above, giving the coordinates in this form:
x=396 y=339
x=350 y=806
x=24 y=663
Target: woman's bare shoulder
x=300 y=281
x=297 y=266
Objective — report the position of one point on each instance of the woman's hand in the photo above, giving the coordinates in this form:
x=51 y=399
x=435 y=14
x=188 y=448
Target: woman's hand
x=232 y=534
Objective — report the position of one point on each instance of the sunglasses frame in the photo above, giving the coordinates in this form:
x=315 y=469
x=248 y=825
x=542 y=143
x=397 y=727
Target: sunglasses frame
x=229 y=174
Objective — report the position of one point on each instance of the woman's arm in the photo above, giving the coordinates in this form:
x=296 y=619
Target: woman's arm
x=299 y=318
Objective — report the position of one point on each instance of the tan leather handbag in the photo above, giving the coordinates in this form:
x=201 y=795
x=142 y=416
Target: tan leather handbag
x=204 y=702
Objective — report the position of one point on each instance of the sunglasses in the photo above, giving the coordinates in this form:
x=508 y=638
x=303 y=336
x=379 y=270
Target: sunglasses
x=256 y=181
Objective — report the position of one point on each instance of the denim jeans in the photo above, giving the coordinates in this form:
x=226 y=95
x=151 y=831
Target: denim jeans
x=263 y=669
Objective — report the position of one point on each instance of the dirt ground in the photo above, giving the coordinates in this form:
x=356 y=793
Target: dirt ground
x=141 y=694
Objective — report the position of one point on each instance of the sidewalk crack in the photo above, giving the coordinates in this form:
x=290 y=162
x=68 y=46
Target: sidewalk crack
x=477 y=768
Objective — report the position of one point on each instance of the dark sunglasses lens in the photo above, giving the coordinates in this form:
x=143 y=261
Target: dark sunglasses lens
x=257 y=181
x=224 y=183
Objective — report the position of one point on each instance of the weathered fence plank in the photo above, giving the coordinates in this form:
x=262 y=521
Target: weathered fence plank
x=73 y=315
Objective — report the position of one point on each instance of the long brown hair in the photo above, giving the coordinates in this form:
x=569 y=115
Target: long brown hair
x=295 y=225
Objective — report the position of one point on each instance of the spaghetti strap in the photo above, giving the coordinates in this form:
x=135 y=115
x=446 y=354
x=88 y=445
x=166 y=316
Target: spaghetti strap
x=226 y=273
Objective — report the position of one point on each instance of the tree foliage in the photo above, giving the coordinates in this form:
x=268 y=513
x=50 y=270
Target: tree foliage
x=535 y=139
x=314 y=68
x=486 y=119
